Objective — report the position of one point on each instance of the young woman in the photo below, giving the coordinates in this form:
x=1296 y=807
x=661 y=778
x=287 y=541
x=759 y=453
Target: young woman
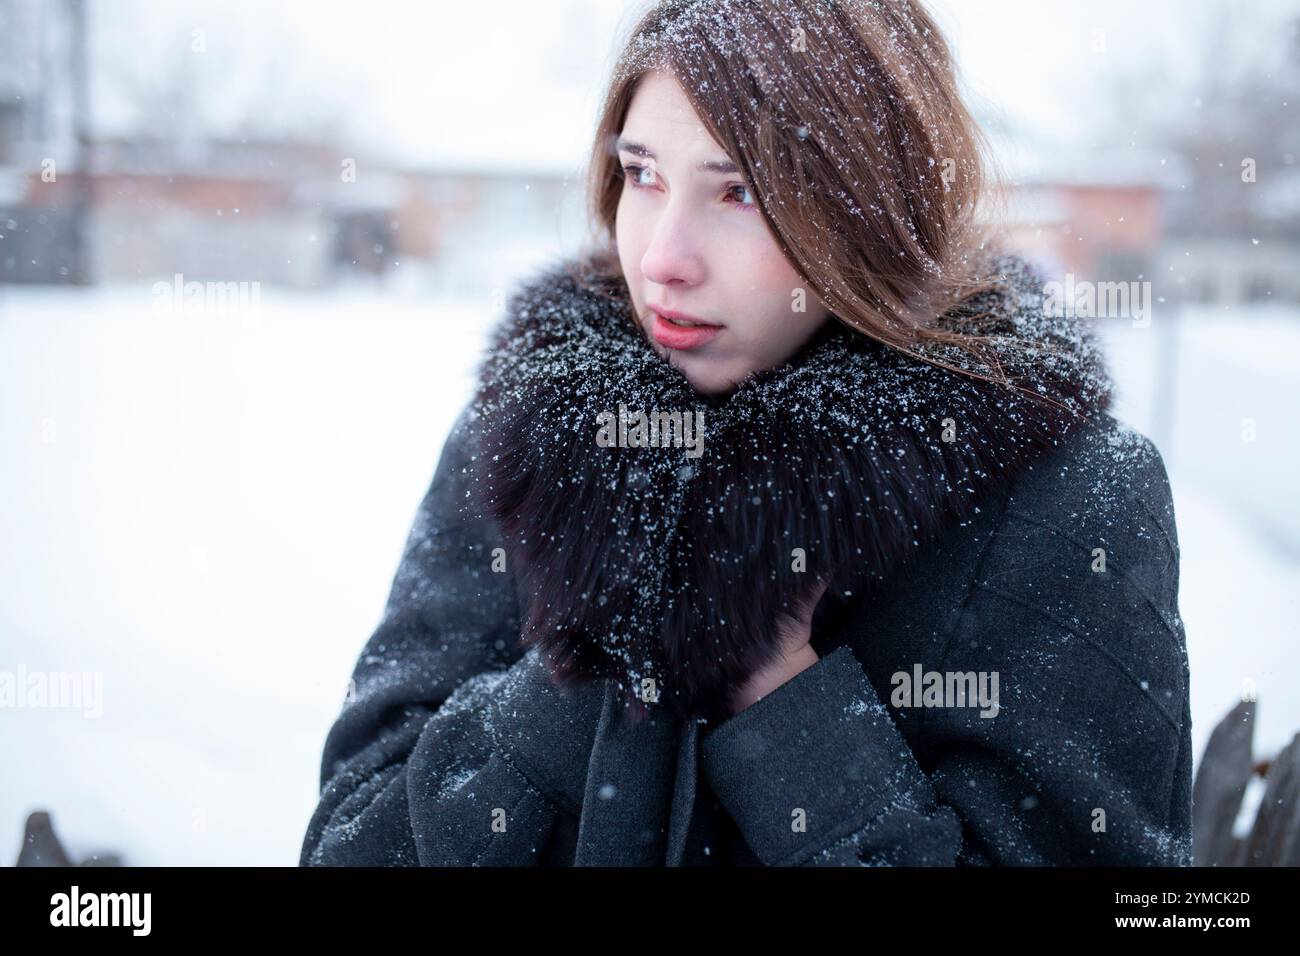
x=786 y=526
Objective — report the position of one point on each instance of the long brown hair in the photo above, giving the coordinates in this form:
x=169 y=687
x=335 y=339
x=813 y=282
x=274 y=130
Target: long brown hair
x=845 y=117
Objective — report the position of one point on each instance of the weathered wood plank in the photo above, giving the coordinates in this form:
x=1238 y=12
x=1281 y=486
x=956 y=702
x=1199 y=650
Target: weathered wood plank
x=1220 y=785
x=1274 y=839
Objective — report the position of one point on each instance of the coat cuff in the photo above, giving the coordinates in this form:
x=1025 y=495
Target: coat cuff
x=813 y=762
x=544 y=732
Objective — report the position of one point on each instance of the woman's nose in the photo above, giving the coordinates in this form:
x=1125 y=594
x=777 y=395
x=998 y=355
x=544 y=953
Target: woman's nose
x=673 y=257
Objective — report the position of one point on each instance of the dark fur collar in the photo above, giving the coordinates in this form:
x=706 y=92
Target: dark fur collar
x=646 y=563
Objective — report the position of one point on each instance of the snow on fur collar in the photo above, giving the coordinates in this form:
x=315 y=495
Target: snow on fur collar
x=664 y=568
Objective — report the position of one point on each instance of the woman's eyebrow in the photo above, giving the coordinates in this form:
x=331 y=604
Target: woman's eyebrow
x=711 y=166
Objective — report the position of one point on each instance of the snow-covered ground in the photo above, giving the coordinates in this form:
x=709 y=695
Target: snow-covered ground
x=208 y=509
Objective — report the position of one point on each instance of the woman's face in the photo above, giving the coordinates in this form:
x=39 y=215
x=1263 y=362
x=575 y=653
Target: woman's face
x=691 y=240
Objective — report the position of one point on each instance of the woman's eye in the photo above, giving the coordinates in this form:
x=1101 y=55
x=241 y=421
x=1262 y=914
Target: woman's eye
x=746 y=191
x=635 y=172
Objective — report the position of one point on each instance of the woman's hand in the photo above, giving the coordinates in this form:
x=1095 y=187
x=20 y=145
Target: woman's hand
x=794 y=636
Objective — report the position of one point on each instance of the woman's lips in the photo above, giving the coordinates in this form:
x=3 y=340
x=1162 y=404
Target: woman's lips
x=681 y=337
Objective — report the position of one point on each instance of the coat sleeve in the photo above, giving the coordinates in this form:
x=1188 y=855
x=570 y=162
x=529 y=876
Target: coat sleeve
x=454 y=747
x=1087 y=761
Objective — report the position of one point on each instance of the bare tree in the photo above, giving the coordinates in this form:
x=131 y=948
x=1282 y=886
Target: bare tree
x=1226 y=108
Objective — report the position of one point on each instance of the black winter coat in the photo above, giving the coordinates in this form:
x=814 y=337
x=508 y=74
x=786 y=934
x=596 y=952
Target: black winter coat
x=501 y=713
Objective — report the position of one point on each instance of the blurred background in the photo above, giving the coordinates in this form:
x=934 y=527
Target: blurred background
x=249 y=253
